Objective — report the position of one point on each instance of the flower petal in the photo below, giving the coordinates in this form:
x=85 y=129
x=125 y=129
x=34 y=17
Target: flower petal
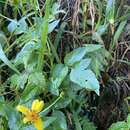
x=22 y=109
x=25 y=120
x=37 y=106
x=38 y=124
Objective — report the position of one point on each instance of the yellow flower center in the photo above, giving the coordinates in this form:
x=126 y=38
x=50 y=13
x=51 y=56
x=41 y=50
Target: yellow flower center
x=32 y=116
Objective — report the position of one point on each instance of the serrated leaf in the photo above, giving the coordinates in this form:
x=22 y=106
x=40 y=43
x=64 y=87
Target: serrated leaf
x=79 y=53
x=84 y=77
x=58 y=75
x=6 y=61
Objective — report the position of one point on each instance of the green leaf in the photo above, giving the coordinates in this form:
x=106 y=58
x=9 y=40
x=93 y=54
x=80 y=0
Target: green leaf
x=79 y=53
x=118 y=32
x=119 y=126
x=60 y=123
x=76 y=121
x=84 y=77
x=24 y=54
x=58 y=75
x=30 y=92
x=12 y=116
x=48 y=121
x=3 y=40
x=99 y=60
x=87 y=125
x=110 y=11
x=64 y=102
x=19 y=80
x=6 y=61
x=44 y=35
x=53 y=25
x=56 y=9
x=2 y=112
x=128 y=121
x=97 y=37
x=18 y=27
x=37 y=79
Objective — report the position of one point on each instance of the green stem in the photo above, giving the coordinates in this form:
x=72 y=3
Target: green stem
x=43 y=37
x=46 y=109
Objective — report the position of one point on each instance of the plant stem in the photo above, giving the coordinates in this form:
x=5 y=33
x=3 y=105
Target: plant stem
x=44 y=34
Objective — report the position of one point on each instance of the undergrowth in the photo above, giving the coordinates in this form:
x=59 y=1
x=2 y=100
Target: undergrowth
x=59 y=52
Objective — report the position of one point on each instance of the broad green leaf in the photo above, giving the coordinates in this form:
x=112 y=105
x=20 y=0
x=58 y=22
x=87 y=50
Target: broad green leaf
x=84 y=77
x=58 y=75
x=79 y=53
x=119 y=126
x=18 y=27
x=24 y=54
x=12 y=116
x=64 y=102
x=60 y=122
x=6 y=61
x=19 y=80
x=31 y=62
x=37 y=79
x=30 y=92
x=48 y=121
x=99 y=60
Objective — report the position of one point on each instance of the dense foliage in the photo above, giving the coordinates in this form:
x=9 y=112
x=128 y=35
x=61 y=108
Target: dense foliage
x=71 y=54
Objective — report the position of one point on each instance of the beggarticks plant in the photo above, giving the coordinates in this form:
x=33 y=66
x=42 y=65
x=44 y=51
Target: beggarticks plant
x=33 y=114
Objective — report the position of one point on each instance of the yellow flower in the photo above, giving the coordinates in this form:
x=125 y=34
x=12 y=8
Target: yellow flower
x=32 y=115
